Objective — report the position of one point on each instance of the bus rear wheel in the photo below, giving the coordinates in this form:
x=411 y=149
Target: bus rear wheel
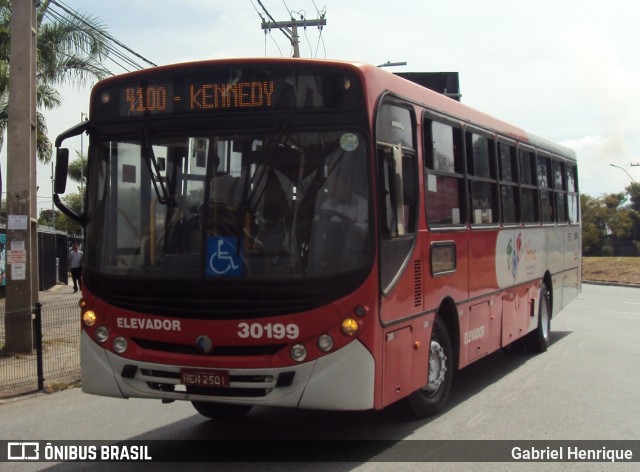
x=538 y=340
x=431 y=398
x=220 y=411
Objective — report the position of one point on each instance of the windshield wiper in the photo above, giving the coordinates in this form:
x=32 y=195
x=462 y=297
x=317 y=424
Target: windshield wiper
x=154 y=170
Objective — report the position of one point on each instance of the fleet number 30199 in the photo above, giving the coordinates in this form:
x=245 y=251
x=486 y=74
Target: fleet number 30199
x=268 y=330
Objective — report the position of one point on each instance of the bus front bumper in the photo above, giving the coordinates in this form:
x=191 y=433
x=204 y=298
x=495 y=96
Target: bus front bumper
x=342 y=380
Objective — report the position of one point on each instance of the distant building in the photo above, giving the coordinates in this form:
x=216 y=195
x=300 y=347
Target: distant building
x=53 y=248
x=446 y=83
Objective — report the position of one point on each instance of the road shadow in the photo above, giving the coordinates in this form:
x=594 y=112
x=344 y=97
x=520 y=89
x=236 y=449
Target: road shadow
x=288 y=439
x=485 y=372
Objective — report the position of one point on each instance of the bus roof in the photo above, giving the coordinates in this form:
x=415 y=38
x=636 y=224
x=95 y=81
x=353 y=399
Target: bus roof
x=456 y=110
x=377 y=81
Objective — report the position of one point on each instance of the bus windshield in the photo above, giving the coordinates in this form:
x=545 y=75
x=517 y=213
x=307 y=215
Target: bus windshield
x=279 y=204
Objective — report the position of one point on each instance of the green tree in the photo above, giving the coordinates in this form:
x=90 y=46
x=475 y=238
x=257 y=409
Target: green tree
x=594 y=228
x=70 y=51
x=45 y=218
x=607 y=225
x=59 y=220
x=77 y=170
x=633 y=190
x=63 y=222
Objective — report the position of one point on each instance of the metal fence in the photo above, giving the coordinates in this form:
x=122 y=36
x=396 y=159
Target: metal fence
x=55 y=332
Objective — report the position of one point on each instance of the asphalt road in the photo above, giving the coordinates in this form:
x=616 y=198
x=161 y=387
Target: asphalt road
x=586 y=386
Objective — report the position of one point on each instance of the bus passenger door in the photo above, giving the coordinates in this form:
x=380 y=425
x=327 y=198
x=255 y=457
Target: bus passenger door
x=400 y=257
x=401 y=274
x=406 y=347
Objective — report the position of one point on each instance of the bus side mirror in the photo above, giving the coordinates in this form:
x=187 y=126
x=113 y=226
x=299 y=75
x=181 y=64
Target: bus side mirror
x=62 y=167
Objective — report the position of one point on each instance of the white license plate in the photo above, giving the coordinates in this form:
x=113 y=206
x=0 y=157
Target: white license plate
x=204 y=378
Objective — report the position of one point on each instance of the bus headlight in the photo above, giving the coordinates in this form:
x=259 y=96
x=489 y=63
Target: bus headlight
x=350 y=327
x=325 y=343
x=89 y=318
x=102 y=333
x=120 y=344
x=298 y=352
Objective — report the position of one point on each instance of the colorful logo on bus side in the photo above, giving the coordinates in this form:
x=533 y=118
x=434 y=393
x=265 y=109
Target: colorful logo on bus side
x=520 y=255
x=513 y=255
x=523 y=251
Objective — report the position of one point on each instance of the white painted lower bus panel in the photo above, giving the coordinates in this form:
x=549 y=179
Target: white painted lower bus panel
x=343 y=380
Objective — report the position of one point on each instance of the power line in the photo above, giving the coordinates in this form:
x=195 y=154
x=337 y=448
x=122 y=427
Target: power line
x=292 y=34
x=124 y=59
x=102 y=33
x=111 y=52
x=56 y=16
x=285 y=30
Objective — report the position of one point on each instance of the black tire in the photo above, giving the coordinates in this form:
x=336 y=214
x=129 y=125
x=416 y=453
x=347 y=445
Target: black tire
x=219 y=411
x=431 y=399
x=538 y=340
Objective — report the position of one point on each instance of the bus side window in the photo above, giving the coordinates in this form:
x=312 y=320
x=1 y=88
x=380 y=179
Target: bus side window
x=483 y=183
x=444 y=175
x=545 y=186
x=399 y=187
x=560 y=194
x=528 y=187
x=572 y=190
x=509 y=184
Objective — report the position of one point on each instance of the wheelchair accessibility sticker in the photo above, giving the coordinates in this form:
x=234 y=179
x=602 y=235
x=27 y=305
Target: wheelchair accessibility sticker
x=224 y=257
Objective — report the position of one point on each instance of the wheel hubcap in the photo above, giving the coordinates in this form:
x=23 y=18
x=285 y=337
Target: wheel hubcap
x=437 y=367
x=544 y=318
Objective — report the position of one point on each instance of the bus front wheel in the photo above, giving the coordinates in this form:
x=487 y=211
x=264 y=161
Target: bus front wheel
x=221 y=411
x=431 y=398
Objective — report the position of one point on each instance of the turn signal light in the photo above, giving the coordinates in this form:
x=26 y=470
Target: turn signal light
x=89 y=318
x=350 y=327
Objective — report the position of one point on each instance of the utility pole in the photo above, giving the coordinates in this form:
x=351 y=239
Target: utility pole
x=293 y=34
x=22 y=231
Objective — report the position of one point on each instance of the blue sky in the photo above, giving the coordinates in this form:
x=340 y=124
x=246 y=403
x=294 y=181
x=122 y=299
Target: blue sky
x=568 y=71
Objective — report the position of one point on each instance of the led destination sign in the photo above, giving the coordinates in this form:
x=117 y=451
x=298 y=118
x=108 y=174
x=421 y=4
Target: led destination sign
x=211 y=90
x=208 y=96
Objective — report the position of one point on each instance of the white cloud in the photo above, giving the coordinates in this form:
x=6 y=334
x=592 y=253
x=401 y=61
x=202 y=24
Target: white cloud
x=566 y=71
x=595 y=155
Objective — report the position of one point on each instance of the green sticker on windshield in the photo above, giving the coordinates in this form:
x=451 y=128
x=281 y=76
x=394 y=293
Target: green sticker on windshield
x=349 y=142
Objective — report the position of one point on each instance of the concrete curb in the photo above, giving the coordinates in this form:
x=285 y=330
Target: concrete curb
x=610 y=284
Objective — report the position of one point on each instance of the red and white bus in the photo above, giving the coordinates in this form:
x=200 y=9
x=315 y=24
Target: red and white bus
x=311 y=234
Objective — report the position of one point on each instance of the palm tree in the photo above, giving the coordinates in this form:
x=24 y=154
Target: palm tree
x=78 y=168
x=70 y=49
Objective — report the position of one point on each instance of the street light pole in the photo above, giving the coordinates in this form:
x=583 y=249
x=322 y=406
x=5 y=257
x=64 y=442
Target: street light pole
x=625 y=171
x=392 y=64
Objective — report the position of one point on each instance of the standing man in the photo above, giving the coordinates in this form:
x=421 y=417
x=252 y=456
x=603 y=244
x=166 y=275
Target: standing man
x=75 y=263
